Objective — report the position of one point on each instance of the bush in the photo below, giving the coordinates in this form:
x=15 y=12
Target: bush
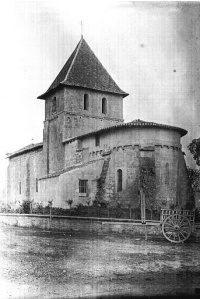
x=4 y=208
x=38 y=209
x=197 y=215
x=26 y=207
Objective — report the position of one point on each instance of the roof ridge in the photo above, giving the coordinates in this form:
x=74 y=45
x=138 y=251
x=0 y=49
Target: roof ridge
x=79 y=45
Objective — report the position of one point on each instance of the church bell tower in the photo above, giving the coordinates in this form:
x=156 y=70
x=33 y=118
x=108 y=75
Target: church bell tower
x=82 y=98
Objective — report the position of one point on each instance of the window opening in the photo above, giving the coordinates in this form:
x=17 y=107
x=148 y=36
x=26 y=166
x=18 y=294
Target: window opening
x=167 y=174
x=83 y=186
x=54 y=104
x=104 y=106
x=97 y=140
x=20 y=188
x=86 y=102
x=36 y=185
x=119 y=180
x=79 y=146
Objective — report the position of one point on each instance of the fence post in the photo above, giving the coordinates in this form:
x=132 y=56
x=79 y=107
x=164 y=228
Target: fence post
x=50 y=202
x=143 y=207
x=143 y=211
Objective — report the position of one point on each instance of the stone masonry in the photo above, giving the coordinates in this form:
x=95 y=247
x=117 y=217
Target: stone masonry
x=89 y=153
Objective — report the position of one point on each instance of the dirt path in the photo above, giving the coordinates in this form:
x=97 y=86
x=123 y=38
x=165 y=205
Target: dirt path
x=39 y=264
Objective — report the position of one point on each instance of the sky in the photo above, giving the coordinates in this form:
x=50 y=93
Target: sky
x=151 y=49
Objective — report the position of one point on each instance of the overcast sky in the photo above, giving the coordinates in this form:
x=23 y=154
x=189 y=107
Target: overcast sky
x=151 y=49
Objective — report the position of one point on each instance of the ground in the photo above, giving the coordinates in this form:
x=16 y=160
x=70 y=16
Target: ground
x=46 y=264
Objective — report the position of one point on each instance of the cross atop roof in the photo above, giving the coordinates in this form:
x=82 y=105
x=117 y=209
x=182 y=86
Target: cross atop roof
x=81 y=28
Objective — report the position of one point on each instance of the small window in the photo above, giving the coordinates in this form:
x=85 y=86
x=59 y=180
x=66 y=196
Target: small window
x=97 y=140
x=167 y=174
x=54 y=104
x=83 y=186
x=104 y=106
x=119 y=180
x=36 y=185
x=20 y=188
x=86 y=102
x=79 y=144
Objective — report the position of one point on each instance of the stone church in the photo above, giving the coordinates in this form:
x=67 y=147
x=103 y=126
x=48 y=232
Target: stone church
x=89 y=153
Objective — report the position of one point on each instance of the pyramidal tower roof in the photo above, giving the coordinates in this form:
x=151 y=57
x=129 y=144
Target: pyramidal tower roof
x=83 y=69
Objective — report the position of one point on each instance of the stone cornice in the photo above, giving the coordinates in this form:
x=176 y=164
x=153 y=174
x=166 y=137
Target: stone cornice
x=134 y=146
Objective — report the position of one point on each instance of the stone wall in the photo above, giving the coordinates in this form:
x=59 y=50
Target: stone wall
x=74 y=103
x=167 y=174
x=90 y=225
x=56 y=147
x=60 y=98
x=129 y=160
x=65 y=186
x=83 y=225
x=86 y=161
x=78 y=121
x=79 y=124
x=70 y=119
x=23 y=171
x=184 y=187
x=131 y=149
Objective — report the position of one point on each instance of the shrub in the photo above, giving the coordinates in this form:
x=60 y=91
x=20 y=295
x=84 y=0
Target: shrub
x=26 y=207
x=38 y=209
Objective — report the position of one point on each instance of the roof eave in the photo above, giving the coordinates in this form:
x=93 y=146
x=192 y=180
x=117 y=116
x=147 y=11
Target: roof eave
x=182 y=132
x=15 y=154
x=48 y=92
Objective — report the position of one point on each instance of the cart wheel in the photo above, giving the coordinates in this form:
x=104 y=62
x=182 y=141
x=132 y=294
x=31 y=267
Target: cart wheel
x=176 y=228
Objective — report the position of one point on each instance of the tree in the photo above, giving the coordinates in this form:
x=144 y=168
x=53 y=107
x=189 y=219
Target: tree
x=194 y=174
x=194 y=148
x=148 y=184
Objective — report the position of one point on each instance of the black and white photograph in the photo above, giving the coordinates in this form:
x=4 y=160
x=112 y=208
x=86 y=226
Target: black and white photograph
x=100 y=149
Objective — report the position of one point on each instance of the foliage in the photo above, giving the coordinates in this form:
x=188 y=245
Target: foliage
x=80 y=209
x=26 y=207
x=197 y=215
x=194 y=148
x=38 y=209
x=148 y=184
x=100 y=203
x=194 y=176
x=119 y=211
x=5 y=208
x=70 y=201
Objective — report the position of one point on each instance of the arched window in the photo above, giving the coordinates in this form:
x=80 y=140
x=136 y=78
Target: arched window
x=54 y=104
x=119 y=180
x=86 y=102
x=167 y=174
x=104 y=106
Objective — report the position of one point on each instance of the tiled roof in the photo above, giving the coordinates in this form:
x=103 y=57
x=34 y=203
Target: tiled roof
x=134 y=123
x=26 y=149
x=83 y=69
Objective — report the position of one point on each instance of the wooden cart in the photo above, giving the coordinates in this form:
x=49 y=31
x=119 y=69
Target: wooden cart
x=177 y=225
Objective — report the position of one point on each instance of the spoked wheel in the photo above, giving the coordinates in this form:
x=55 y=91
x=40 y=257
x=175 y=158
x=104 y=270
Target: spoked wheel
x=176 y=228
